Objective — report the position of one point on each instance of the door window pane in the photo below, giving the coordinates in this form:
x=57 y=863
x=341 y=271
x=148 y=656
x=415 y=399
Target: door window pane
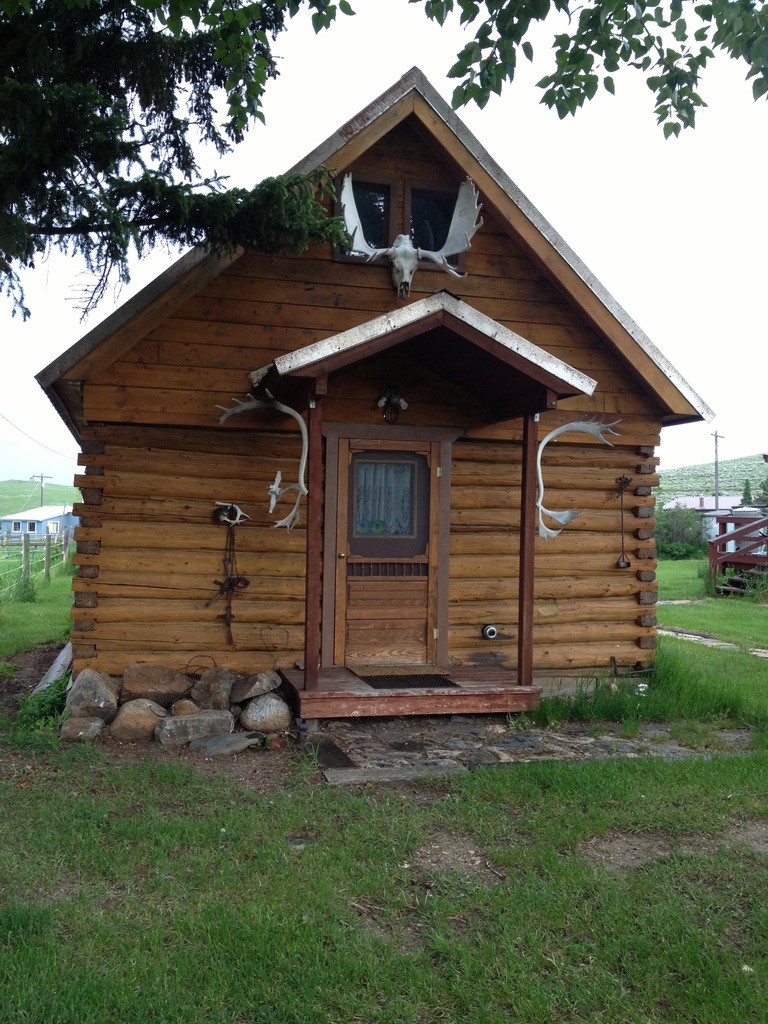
x=384 y=499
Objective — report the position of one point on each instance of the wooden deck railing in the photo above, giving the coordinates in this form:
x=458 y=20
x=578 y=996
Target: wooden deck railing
x=750 y=535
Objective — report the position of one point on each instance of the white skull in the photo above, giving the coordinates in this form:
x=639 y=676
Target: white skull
x=405 y=260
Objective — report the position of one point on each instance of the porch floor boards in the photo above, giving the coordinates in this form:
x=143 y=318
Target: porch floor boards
x=341 y=693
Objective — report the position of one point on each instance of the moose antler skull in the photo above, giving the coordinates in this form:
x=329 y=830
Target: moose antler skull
x=403 y=254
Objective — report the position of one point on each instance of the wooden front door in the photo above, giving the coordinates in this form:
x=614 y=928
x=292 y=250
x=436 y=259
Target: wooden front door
x=387 y=525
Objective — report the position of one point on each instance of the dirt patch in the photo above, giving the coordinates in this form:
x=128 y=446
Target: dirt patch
x=624 y=851
x=374 y=922
x=259 y=771
x=444 y=854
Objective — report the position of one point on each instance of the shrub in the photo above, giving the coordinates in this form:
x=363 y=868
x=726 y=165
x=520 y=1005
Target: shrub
x=679 y=533
x=41 y=712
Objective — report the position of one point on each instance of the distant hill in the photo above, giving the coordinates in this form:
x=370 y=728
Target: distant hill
x=701 y=479
x=19 y=495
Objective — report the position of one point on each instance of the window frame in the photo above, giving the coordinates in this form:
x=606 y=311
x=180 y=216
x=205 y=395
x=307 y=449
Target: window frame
x=16 y=526
x=393 y=186
x=31 y=526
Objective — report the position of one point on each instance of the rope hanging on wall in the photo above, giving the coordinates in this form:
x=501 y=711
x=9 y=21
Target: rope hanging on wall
x=230 y=515
x=623 y=482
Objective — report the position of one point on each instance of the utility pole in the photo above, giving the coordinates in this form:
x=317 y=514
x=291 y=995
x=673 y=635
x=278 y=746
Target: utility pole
x=717 y=437
x=41 y=477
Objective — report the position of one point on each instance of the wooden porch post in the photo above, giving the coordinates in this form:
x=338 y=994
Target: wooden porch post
x=314 y=537
x=527 y=544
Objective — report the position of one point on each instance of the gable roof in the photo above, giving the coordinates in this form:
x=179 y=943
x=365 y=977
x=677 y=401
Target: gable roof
x=412 y=95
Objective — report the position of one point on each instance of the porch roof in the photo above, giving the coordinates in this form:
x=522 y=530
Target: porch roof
x=509 y=374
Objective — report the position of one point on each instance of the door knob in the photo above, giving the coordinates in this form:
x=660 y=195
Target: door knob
x=342 y=554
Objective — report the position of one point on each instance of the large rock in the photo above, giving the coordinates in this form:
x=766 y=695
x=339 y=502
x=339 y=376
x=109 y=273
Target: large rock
x=224 y=746
x=266 y=713
x=213 y=688
x=159 y=683
x=254 y=686
x=76 y=730
x=93 y=695
x=137 y=720
x=185 y=706
x=176 y=731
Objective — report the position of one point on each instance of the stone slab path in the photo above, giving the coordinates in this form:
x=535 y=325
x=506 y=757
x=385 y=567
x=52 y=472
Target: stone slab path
x=707 y=639
x=401 y=750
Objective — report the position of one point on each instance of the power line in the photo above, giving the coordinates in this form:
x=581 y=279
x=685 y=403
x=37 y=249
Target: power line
x=63 y=456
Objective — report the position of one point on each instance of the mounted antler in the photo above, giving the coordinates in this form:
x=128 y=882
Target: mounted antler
x=402 y=254
x=275 y=491
x=597 y=428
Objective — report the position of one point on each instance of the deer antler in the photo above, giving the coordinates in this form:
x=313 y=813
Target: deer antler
x=402 y=253
x=353 y=224
x=597 y=428
x=251 y=402
x=465 y=222
x=274 y=490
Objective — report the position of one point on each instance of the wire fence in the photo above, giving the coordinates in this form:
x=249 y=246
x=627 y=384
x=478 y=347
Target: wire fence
x=30 y=562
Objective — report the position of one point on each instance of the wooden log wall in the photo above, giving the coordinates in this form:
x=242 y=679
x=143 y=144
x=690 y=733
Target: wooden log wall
x=149 y=553
x=155 y=459
x=587 y=610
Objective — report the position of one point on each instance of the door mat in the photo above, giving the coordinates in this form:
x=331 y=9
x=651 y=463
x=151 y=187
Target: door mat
x=414 y=682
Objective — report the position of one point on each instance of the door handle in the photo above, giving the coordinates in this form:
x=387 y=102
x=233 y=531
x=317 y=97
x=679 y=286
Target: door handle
x=342 y=554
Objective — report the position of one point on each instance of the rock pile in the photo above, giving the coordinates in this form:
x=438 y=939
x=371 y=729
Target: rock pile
x=154 y=702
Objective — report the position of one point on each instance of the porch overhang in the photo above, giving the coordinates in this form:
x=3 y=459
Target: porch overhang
x=509 y=374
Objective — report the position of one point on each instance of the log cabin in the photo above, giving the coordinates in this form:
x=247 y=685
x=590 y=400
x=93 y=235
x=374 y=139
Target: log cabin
x=477 y=451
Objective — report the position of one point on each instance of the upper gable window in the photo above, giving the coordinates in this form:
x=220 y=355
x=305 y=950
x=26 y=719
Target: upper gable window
x=375 y=202
x=373 y=206
x=431 y=214
x=426 y=216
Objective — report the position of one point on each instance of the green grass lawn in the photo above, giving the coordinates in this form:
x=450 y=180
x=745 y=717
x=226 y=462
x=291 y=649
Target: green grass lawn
x=688 y=683
x=25 y=626
x=734 y=619
x=681 y=580
x=140 y=892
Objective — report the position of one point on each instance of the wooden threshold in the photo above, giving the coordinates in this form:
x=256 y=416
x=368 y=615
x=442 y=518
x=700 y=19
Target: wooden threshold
x=341 y=693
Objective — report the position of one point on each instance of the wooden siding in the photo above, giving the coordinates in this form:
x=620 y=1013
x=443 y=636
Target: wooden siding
x=149 y=553
x=156 y=460
x=586 y=610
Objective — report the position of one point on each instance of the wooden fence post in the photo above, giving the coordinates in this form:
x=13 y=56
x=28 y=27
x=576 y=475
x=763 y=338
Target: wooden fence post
x=25 y=556
x=47 y=563
x=65 y=544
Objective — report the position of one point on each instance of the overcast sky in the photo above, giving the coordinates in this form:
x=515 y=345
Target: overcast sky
x=676 y=230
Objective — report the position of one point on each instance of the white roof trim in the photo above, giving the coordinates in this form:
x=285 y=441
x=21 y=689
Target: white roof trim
x=406 y=315
x=415 y=79
x=41 y=512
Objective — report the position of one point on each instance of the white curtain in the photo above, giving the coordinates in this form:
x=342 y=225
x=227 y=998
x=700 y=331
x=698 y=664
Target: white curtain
x=384 y=499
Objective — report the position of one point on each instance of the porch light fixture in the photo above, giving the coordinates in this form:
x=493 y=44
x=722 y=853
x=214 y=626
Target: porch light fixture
x=391 y=403
x=623 y=482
